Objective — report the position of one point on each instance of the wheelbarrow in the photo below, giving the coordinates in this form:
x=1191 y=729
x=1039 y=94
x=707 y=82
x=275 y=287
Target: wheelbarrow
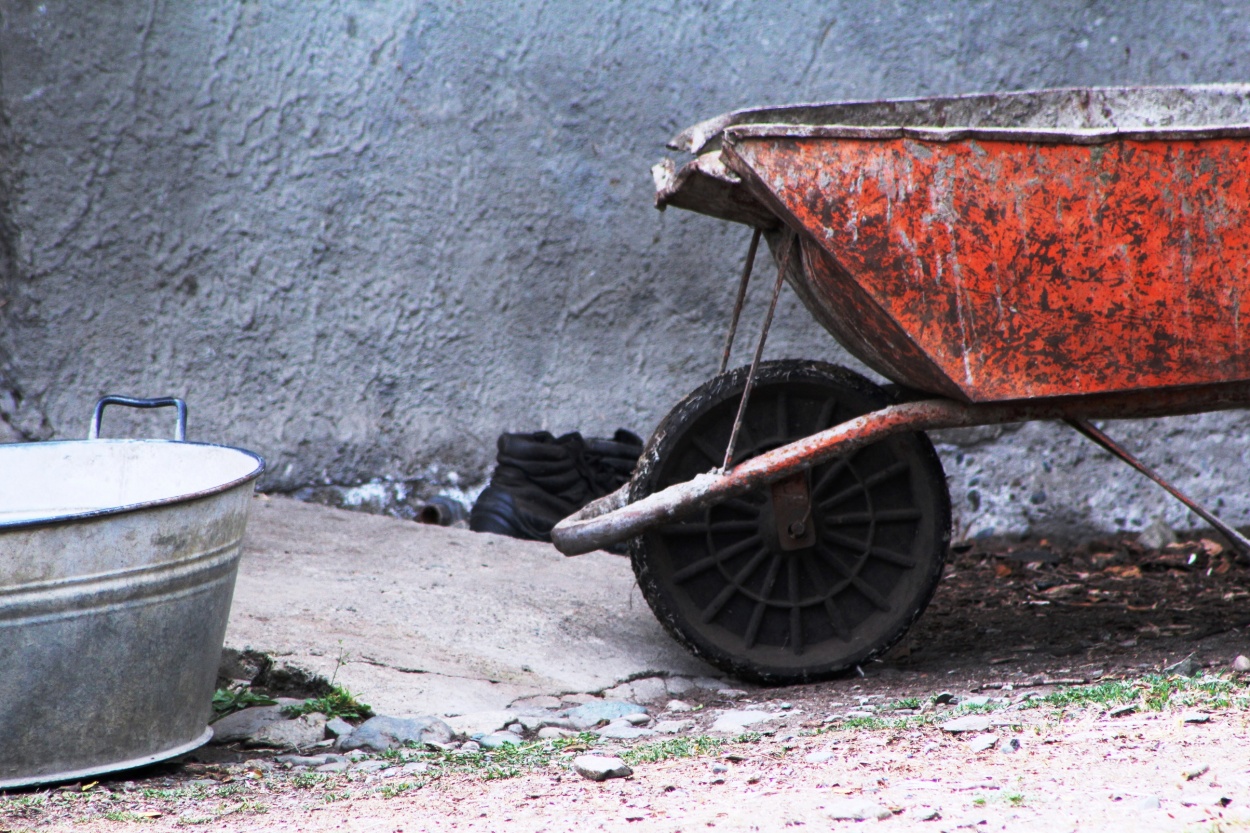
x=1075 y=254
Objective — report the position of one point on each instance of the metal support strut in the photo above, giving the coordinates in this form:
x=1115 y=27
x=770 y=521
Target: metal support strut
x=742 y=295
x=1235 y=538
x=788 y=247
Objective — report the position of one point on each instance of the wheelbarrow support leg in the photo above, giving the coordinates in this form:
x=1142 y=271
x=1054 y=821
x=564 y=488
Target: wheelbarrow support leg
x=792 y=243
x=742 y=296
x=1238 y=541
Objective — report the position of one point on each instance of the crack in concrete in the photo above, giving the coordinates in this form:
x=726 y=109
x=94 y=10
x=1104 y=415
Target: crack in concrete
x=401 y=669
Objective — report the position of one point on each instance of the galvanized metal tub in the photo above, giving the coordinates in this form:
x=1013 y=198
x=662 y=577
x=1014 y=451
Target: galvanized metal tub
x=117 y=567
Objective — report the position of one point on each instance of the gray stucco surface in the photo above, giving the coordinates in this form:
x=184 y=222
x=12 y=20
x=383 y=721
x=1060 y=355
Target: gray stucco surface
x=363 y=238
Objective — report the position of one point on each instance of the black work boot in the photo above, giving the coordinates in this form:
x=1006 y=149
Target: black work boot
x=541 y=479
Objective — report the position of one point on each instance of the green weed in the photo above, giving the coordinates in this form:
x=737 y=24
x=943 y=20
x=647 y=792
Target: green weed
x=339 y=702
x=227 y=700
x=693 y=747
x=127 y=815
x=1153 y=692
x=308 y=780
x=194 y=792
x=392 y=790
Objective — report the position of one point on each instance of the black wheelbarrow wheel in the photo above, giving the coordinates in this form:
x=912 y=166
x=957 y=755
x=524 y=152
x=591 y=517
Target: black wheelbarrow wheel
x=770 y=596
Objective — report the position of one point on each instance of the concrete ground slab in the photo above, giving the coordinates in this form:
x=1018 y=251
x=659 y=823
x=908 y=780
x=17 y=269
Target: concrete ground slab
x=428 y=620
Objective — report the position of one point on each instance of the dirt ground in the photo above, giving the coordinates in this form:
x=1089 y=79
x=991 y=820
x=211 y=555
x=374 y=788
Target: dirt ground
x=1009 y=622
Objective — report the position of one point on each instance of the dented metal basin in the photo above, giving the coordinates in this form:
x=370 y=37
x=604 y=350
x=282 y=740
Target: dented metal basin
x=117 y=567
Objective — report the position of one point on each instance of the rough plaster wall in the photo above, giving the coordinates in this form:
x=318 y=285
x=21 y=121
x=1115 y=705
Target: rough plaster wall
x=363 y=238
x=10 y=394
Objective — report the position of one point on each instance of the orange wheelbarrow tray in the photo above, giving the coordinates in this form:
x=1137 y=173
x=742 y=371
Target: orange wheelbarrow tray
x=1071 y=254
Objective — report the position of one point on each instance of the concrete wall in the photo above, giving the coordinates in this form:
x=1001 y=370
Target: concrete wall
x=363 y=238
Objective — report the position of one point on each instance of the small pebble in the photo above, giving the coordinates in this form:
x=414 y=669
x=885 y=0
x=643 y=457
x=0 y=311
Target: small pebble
x=945 y=698
x=471 y=746
x=621 y=730
x=1195 y=771
x=1195 y=717
x=637 y=719
x=1120 y=711
x=818 y=757
x=1188 y=667
x=515 y=728
x=554 y=733
x=678 y=706
x=968 y=723
x=337 y=727
x=495 y=740
x=719 y=768
x=925 y=814
x=975 y=701
x=600 y=768
x=305 y=760
x=1242 y=663
x=856 y=809
x=336 y=766
x=983 y=743
x=1150 y=802
x=1009 y=746
x=673 y=727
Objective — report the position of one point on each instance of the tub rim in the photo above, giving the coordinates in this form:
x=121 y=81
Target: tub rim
x=134 y=507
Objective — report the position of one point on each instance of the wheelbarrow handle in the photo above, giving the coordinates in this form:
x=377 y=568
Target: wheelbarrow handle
x=613 y=519
x=180 y=424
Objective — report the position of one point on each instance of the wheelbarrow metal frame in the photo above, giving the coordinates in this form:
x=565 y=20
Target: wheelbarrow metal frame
x=611 y=520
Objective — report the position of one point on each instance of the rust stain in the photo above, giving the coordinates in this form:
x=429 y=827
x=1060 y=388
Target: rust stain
x=992 y=270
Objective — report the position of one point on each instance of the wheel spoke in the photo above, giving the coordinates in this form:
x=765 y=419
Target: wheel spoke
x=723 y=597
x=826 y=414
x=837 y=467
x=716 y=558
x=831 y=610
x=885 y=516
x=866 y=590
x=761 y=606
x=699 y=528
x=860 y=547
x=837 y=620
x=740 y=505
x=870 y=593
x=863 y=548
x=735 y=526
x=706 y=449
x=796 y=612
x=875 y=480
x=898 y=559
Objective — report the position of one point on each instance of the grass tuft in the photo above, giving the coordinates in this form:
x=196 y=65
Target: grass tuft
x=339 y=702
x=229 y=700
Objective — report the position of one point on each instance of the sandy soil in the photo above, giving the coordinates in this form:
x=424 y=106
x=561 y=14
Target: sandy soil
x=1005 y=623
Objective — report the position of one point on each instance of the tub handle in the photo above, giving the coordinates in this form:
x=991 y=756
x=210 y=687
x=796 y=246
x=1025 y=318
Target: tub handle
x=180 y=426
